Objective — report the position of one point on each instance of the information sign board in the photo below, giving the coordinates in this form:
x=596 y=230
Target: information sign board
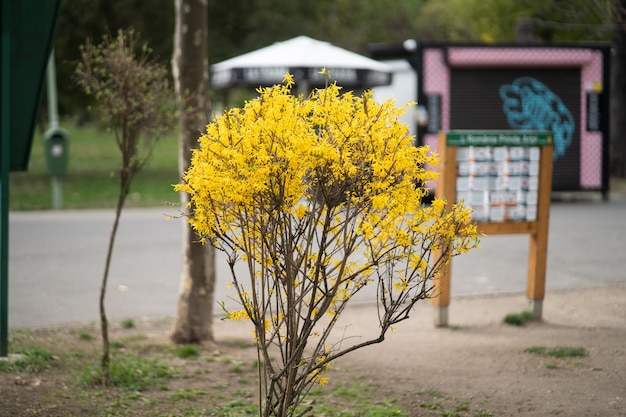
x=506 y=178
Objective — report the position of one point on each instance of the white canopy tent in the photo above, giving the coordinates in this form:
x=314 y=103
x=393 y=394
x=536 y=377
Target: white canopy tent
x=304 y=58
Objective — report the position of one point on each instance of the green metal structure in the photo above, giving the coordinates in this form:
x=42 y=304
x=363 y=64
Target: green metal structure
x=28 y=28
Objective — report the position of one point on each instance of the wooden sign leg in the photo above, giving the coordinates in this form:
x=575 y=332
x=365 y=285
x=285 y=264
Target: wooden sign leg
x=537 y=257
x=441 y=294
x=446 y=188
x=538 y=247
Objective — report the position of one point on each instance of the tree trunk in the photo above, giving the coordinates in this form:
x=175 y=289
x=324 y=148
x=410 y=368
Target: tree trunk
x=190 y=69
x=618 y=94
x=105 y=362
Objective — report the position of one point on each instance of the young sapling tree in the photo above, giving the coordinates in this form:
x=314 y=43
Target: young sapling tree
x=135 y=100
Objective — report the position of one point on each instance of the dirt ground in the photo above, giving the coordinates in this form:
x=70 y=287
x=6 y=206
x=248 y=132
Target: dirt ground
x=477 y=366
x=482 y=360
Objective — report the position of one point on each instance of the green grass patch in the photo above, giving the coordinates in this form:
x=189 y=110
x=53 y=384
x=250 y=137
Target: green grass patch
x=236 y=364
x=85 y=336
x=243 y=393
x=187 y=352
x=382 y=410
x=133 y=338
x=462 y=406
x=519 y=319
x=128 y=324
x=236 y=408
x=430 y=405
x=431 y=393
x=126 y=399
x=186 y=394
x=33 y=359
x=558 y=352
x=117 y=344
x=130 y=372
x=355 y=390
x=351 y=399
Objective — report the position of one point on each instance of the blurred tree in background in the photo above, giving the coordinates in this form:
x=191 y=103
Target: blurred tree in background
x=82 y=19
x=239 y=26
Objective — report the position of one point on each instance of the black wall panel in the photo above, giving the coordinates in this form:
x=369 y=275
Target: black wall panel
x=523 y=99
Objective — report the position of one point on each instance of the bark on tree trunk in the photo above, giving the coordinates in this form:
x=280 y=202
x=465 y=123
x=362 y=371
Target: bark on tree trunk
x=190 y=69
x=618 y=94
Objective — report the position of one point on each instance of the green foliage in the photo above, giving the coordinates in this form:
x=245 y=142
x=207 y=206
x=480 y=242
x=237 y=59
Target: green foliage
x=518 y=319
x=134 y=97
x=462 y=406
x=187 y=352
x=117 y=344
x=495 y=21
x=558 y=352
x=235 y=408
x=431 y=405
x=236 y=365
x=82 y=19
x=240 y=26
x=130 y=372
x=382 y=410
x=539 y=350
x=32 y=359
x=85 y=336
x=431 y=393
x=128 y=324
x=135 y=337
x=355 y=400
x=354 y=391
x=186 y=394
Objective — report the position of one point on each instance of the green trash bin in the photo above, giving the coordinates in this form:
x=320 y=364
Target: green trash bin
x=56 y=146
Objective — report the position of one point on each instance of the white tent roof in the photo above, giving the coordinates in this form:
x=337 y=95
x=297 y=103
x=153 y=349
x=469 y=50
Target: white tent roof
x=303 y=57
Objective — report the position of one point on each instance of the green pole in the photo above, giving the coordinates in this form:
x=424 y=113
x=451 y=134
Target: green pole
x=5 y=160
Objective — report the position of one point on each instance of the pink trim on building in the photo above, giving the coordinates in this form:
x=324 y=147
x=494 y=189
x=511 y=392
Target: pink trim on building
x=436 y=75
x=518 y=57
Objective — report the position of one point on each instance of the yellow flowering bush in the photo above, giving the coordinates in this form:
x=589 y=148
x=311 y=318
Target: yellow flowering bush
x=319 y=196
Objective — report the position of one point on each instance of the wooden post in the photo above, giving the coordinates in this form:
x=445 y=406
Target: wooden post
x=446 y=187
x=538 y=247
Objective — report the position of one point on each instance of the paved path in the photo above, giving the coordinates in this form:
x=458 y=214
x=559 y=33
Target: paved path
x=56 y=261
